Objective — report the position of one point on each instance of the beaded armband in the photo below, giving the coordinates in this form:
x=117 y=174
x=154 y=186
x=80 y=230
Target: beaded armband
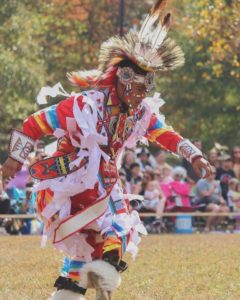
x=187 y=150
x=20 y=146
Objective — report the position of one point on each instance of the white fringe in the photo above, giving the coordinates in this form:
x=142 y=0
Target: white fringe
x=66 y=295
x=109 y=280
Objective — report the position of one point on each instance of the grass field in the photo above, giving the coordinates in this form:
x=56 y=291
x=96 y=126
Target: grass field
x=179 y=267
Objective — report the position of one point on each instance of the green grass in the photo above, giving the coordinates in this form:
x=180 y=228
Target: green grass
x=167 y=267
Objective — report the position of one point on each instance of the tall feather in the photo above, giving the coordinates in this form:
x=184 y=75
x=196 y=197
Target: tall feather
x=153 y=31
x=161 y=32
x=158 y=6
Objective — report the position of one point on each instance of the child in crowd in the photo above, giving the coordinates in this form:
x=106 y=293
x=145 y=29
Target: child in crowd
x=233 y=198
x=154 y=199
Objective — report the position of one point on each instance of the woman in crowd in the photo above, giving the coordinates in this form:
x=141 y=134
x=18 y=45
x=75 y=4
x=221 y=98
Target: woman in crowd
x=236 y=161
x=213 y=158
x=209 y=197
x=233 y=197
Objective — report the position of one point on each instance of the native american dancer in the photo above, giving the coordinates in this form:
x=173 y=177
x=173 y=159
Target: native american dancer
x=80 y=198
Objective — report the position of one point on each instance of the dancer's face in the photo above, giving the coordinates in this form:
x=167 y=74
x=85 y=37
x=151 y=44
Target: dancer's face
x=133 y=86
x=133 y=98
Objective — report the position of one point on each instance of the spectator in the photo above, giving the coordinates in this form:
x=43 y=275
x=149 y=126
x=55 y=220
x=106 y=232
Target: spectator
x=39 y=155
x=148 y=175
x=236 y=161
x=127 y=160
x=163 y=175
x=4 y=199
x=192 y=178
x=154 y=199
x=40 y=146
x=123 y=178
x=26 y=205
x=177 y=191
x=4 y=204
x=160 y=160
x=234 y=200
x=225 y=173
x=136 y=178
x=143 y=159
x=209 y=197
x=213 y=158
x=179 y=174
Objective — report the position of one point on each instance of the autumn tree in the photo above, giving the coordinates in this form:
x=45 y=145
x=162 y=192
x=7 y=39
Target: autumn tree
x=202 y=96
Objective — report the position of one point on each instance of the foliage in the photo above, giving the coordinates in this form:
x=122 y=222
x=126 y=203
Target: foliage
x=42 y=40
x=202 y=97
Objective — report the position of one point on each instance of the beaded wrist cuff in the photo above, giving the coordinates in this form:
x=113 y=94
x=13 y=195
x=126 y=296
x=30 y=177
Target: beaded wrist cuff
x=187 y=150
x=20 y=146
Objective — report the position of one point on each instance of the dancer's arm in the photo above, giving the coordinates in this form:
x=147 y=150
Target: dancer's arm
x=41 y=123
x=166 y=138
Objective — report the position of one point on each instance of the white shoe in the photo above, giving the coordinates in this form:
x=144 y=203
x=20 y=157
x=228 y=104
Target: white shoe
x=66 y=295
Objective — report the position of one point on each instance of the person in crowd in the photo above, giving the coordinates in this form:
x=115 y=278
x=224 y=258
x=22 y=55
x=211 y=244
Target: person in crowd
x=160 y=159
x=233 y=198
x=177 y=191
x=40 y=146
x=163 y=175
x=209 y=198
x=4 y=199
x=225 y=173
x=136 y=178
x=213 y=158
x=143 y=159
x=123 y=178
x=148 y=175
x=128 y=159
x=39 y=155
x=154 y=199
x=236 y=161
x=179 y=174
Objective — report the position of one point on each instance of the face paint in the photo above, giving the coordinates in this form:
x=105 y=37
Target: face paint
x=127 y=77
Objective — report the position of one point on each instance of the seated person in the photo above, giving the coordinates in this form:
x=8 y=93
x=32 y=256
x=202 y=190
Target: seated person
x=4 y=199
x=136 y=178
x=154 y=199
x=233 y=198
x=177 y=191
x=209 y=197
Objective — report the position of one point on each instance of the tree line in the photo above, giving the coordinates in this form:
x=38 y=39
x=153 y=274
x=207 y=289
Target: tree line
x=40 y=41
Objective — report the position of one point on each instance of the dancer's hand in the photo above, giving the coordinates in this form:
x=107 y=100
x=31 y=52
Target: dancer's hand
x=202 y=167
x=10 y=168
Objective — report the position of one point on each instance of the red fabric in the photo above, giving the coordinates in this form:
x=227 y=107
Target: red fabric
x=82 y=200
x=98 y=247
x=169 y=140
x=64 y=109
x=31 y=128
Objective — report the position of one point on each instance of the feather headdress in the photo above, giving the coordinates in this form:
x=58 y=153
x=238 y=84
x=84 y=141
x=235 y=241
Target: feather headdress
x=150 y=48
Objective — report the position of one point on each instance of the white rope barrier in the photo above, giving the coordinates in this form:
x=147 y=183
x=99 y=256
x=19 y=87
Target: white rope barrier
x=193 y=214
x=166 y=214
x=18 y=216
